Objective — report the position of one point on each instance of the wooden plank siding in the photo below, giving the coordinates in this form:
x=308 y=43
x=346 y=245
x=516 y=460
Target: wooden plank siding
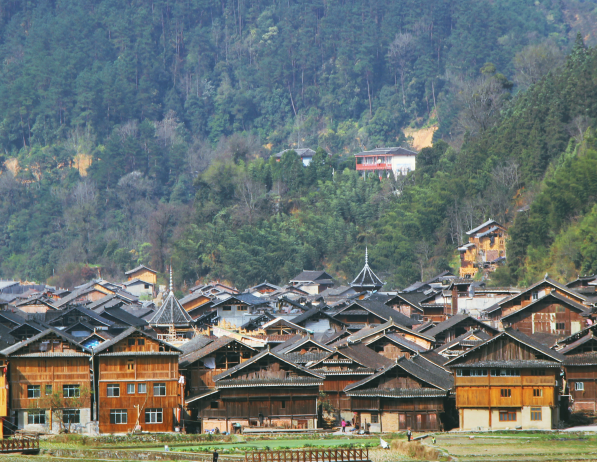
x=133 y=361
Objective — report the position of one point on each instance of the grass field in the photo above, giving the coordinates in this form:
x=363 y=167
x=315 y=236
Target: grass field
x=494 y=447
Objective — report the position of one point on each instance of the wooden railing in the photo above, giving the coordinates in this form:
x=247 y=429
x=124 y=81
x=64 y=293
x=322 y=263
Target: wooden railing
x=316 y=455
x=22 y=444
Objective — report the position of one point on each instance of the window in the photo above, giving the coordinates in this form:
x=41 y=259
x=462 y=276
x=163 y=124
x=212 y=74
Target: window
x=71 y=416
x=560 y=309
x=33 y=391
x=537 y=372
x=471 y=372
x=283 y=404
x=130 y=388
x=507 y=416
x=48 y=389
x=214 y=405
x=159 y=389
x=536 y=414
x=37 y=416
x=118 y=416
x=506 y=393
x=131 y=342
x=537 y=392
x=130 y=365
x=535 y=295
x=153 y=416
x=113 y=389
x=146 y=286
x=505 y=373
x=227 y=308
x=374 y=418
x=140 y=341
x=560 y=325
x=579 y=386
x=142 y=388
x=241 y=308
x=70 y=391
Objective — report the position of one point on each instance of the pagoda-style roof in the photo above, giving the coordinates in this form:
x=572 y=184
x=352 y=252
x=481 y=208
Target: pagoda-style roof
x=171 y=313
x=366 y=279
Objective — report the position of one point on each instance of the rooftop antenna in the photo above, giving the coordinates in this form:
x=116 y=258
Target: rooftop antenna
x=366 y=256
x=171 y=276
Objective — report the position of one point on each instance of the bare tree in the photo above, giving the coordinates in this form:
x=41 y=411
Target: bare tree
x=480 y=101
x=129 y=129
x=199 y=156
x=399 y=53
x=251 y=195
x=167 y=129
x=578 y=127
x=534 y=61
x=84 y=193
x=423 y=254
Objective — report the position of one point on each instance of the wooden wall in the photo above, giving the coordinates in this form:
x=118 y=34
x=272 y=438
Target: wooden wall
x=144 y=275
x=544 y=316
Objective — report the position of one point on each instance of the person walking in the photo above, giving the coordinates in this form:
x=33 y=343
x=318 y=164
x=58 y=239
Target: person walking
x=215 y=456
x=343 y=426
x=409 y=435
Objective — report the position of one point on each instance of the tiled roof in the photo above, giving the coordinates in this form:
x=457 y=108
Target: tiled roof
x=399 y=151
x=138 y=268
x=506 y=364
x=313 y=312
x=303 y=358
x=560 y=298
x=379 y=309
x=462 y=340
x=370 y=330
x=584 y=359
x=208 y=349
x=361 y=354
x=196 y=343
x=311 y=276
x=51 y=330
x=131 y=330
x=307 y=339
x=248 y=299
x=453 y=321
x=487 y=223
x=124 y=317
x=398 y=393
x=291 y=381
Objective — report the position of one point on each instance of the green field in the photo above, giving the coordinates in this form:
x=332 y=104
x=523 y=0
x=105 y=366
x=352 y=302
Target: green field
x=278 y=444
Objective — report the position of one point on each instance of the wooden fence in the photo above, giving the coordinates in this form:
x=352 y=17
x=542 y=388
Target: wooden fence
x=315 y=455
x=29 y=444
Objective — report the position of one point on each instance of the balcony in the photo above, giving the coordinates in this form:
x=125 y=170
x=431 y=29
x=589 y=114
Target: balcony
x=369 y=167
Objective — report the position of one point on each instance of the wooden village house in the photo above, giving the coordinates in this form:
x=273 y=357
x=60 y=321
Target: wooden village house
x=50 y=382
x=137 y=385
x=510 y=381
x=265 y=391
x=408 y=394
x=485 y=250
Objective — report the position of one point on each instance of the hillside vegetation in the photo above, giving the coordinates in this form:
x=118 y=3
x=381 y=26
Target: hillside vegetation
x=135 y=132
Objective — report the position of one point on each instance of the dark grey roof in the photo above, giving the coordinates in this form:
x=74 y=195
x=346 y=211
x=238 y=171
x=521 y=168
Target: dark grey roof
x=515 y=364
x=208 y=349
x=413 y=299
x=329 y=339
x=399 y=393
x=290 y=381
x=264 y=353
x=453 y=321
x=367 y=331
x=249 y=299
x=196 y=343
x=387 y=151
x=426 y=372
x=435 y=358
x=50 y=330
x=14 y=317
x=584 y=359
x=190 y=297
x=380 y=309
x=311 y=313
x=462 y=339
x=487 y=223
x=291 y=341
x=311 y=276
x=140 y=267
x=518 y=336
x=126 y=333
x=405 y=343
x=171 y=313
x=124 y=317
x=361 y=354
x=304 y=358
x=92 y=314
x=288 y=348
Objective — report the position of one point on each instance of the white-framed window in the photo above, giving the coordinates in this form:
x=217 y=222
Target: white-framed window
x=142 y=388
x=113 y=389
x=36 y=416
x=118 y=416
x=159 y=389
x=471 y=372
x=33 y=391
x=579 y=386
x=505 y=372
x=154 y=415
x=71 y=391
x=130 y=388
x=535 y=295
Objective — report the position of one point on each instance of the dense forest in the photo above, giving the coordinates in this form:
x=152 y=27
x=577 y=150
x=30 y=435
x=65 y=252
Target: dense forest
x=143 y=132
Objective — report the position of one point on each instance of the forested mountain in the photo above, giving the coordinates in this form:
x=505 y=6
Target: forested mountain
x=135 y=132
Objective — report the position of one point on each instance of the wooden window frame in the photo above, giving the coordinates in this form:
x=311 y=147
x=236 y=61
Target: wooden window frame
x=506 y=414
x=537 y=392
x=506 y=393
x=71 y=416
x=560 y=326
x=536 y=414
